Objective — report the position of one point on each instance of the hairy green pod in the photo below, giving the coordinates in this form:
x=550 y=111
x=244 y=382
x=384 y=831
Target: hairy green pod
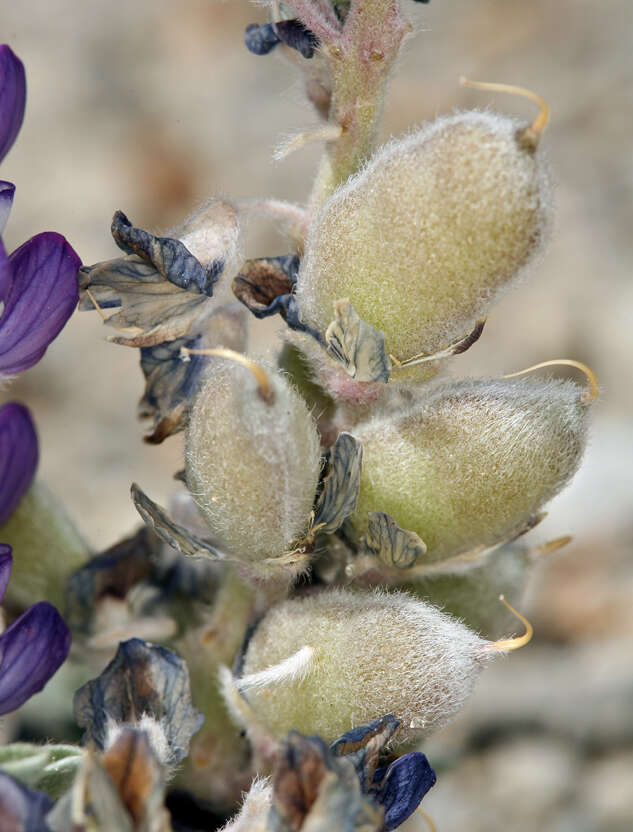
x=252 y=461
x=372 y=654
x=429 y=234
x=47 y=549
x=473 y=462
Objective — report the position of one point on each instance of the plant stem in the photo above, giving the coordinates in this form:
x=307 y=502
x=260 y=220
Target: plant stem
x=360 y=60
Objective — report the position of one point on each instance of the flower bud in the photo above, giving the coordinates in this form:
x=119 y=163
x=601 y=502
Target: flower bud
x=328 y=662
x=472 y=464
x=429 y=234
x=252 y=459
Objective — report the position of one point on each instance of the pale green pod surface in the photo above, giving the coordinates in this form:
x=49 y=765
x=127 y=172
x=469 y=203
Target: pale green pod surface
x=47 y=549
x=428 y=235
x=472 y=463
x=471 y=591
x=252 y=464
x=373 y=654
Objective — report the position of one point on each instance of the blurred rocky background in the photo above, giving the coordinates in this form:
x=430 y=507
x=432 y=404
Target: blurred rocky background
x=150 y=106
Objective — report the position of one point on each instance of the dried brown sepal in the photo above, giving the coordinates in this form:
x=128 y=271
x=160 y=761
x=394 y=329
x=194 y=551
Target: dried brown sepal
x=315 y=790
x=263 y=280
x=142 y=680
x=393 y=545
x=341 y=485
x=356 y=345
x=139 y=779
x=92 y=803
x=171 y=383
x=456 y=348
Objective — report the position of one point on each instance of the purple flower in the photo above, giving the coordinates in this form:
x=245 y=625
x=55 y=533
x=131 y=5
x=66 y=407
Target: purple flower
x=18 y=458
x=38 y=282
x=31 y=649
x=12 y=98
x=22 y=809
x=40 y=295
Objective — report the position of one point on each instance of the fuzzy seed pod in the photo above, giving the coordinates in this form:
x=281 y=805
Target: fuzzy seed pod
x=430 y=233
x=328 y=662
x=252 y=459
x=472 y=464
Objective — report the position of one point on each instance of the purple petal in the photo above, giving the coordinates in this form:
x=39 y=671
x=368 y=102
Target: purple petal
x=6 y=561
x=22 y=809
x=400 y=787
x=12 y=98
x=31 y=650
x=42 y=298
x=18 y=456
x=6 y=277
x=7 y=191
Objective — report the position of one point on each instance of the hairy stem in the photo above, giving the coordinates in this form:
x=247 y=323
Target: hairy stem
x=360 y=61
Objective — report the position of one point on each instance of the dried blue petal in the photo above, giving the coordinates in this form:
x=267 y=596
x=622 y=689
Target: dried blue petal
x=363 y=746
x=297 y=36
x=341 y=484
x=42 y=297
x=31 y=651
x=142 y=679
x=266 y=287
x=7 y=192
x=260 y=40
x=12 y=98
x=18 y=456
x=171 y=383
x=171 y=258
x=357 y=738
x=400 y=787
x=22 y=809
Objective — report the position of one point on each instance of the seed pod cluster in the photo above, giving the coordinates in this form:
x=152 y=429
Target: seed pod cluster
x=374 y=653
x=252 y=460
x=429 y=234
x=473 y=462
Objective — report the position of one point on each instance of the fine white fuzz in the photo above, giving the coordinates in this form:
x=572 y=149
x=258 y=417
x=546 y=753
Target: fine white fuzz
x=253 y=815
x=294 y=668
x=154 y=731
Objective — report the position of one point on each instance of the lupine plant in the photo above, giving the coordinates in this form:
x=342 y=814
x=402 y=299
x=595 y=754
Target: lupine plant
x=271 y=650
